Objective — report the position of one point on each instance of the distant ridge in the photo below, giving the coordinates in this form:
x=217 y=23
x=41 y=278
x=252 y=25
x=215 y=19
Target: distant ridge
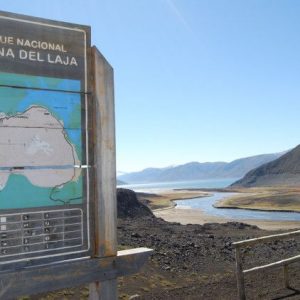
x=283 y=171
x=197 y=171
x=120 y=182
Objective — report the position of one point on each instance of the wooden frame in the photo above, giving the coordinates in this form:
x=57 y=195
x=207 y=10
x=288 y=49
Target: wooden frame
x=104 y=156
x=105 y=170
x=282 y=263
x=47 y=278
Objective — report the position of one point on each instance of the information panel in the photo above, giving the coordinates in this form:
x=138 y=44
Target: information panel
x=44 y=163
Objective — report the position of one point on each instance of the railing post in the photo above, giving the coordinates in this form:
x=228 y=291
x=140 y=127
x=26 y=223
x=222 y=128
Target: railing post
x=286 y=276
x=239 y=274
x=281 y=263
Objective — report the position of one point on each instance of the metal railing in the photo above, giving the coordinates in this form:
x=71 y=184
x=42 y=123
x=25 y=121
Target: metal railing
x=251 y=242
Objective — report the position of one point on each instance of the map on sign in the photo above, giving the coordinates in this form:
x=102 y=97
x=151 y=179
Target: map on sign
x=40 y=141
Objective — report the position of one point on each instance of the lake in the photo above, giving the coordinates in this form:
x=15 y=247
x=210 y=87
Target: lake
x=157 y=186
x=206 y=203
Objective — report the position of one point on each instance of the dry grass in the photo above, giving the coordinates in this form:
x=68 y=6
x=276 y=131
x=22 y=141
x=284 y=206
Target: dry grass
x=165 y=199
x=279 y=199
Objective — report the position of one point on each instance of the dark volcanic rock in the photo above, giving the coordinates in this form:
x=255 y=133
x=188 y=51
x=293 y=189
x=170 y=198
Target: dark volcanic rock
x=197 y=262
x=129 y=206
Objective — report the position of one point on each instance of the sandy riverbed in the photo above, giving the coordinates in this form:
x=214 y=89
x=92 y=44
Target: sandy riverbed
x=196 y=216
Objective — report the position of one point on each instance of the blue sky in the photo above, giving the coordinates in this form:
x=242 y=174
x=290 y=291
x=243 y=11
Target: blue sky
x=195 y=80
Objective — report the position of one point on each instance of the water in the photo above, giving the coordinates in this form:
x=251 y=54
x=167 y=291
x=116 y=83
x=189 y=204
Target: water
x=206 y=203
x=158 y=186
x=65 y=107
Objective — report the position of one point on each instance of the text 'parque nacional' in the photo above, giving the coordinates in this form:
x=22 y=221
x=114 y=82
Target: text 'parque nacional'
x=25 y=53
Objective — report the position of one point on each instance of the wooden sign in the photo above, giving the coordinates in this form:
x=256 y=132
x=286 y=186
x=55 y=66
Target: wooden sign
x=44 y=159
x=58 y=212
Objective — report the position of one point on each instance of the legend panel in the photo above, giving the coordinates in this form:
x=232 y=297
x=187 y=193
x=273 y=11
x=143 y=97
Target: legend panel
x=26 y=233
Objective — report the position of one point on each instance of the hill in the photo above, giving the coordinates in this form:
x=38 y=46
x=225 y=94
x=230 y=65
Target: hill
x=198 y=171
x=128 y=206
x=120 y=182
x=283 y=171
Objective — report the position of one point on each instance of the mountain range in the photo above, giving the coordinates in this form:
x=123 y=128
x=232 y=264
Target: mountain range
x=197 y=171
x=284 y=170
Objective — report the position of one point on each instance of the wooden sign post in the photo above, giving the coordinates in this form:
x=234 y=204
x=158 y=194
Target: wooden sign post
x=57 y=162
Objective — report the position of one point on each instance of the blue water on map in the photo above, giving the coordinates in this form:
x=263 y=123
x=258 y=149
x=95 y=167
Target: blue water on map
x=65 y=107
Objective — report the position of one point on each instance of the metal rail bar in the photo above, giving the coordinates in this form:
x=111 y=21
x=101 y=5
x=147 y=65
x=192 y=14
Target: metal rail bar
x=44 y=89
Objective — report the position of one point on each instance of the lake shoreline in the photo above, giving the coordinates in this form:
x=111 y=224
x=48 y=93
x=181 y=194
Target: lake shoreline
x=186 y=216
x=265 y=199
x=165 y=199
x=256 y=209
x=222 y=203
x=172 y=213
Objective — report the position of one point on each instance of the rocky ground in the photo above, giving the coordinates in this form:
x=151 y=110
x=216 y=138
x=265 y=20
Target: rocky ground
x=193 y=261
x=197 y=261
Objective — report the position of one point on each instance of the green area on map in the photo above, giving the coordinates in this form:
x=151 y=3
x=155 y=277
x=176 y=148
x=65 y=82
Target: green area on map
x=35 y=148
